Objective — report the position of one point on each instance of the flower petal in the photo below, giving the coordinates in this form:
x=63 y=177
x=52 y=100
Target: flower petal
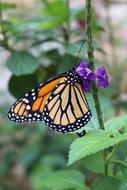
x=102 y=78
x=91 y=75
x=80 y=71
x=84 y=64
x=103 y=83
x=101 y=72
x=86 y=85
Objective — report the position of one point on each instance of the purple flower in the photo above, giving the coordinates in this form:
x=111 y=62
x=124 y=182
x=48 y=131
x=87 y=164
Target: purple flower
x=84 y=71
x=86 y=85
x=84 y=64
x=102 y=78
x=88 y=76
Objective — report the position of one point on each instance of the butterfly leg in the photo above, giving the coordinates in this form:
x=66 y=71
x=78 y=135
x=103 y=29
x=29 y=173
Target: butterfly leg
x=81 y=134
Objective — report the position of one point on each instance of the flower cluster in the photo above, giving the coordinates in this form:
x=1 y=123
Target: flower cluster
x=88 y=76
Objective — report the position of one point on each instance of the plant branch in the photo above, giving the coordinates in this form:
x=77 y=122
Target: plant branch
x=119 y=162
x=68 y=24
x=111 y=155
x=92 y=66
x=91 y=60
x=66 y=30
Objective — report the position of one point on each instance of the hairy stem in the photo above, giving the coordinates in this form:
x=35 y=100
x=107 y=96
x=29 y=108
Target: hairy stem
x=68 y=23
x=91 y=63
x=66 y=30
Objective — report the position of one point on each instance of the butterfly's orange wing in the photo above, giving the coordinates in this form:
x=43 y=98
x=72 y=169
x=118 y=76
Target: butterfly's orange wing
x=66 y=110
x=30 y=107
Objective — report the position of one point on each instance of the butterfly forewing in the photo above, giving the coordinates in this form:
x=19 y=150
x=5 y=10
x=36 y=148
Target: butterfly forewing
x=30 y=107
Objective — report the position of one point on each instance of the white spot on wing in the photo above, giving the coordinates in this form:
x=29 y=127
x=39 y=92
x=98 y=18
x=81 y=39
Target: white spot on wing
x=28 y=107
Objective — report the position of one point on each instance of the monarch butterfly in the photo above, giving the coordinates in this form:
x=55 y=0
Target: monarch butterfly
x=60 y=103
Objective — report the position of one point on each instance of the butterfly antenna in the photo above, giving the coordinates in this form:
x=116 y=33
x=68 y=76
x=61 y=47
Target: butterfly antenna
x=77 y=58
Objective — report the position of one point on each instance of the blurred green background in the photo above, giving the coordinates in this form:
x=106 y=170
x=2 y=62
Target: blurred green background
x=38 y=40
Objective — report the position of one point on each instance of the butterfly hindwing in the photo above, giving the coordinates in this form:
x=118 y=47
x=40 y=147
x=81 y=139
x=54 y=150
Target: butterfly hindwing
x=21 y=109
x=66 y=110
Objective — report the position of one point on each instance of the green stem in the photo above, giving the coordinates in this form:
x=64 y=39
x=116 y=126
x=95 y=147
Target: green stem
x=111 y=155
x=3 y=32
x=119 y=162
x=91 y=63
x=68 y=23
x=66 y=31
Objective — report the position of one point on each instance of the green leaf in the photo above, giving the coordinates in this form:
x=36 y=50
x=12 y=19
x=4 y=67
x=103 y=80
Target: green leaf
x=74 y=48
x=106 y=106
x=93 y=142
x=57 y=9
x=94 y=120
x=48 y=163
x=121 y=153
x=29 y=154
x=123 y=185
x=103 y=183
x=22 y=83
x=53 y=161
x=6 y=6
x=32 y=23
x=25 y=83
x=64 y=179
x=22 y=62
x=65 y=63
x=107 y=109
x=94 y=163
x=116 y=123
